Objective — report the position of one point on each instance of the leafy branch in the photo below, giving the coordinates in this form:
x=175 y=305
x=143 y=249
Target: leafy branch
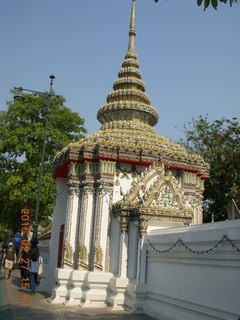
x=214 y=3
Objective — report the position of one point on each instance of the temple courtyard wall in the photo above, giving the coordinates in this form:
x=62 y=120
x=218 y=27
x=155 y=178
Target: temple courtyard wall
x=183 y=284
x=198 y=278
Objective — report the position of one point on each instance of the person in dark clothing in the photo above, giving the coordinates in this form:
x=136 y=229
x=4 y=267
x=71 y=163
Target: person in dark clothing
x=24 y=263
x=33 y=271
x=9 y=258
x=23 y=259
x=1 y=256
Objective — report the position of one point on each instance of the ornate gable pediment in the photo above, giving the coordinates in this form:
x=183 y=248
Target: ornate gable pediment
x=156 y=193
x=165 y=197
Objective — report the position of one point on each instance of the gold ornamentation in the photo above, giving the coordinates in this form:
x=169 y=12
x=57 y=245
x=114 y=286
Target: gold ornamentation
x=124 y=223
x=98 y=255
x=73 y=191
x=117 y=183
x=127 y=135
x=127 y=124
x=68 y=253
x=156 y=193
x=142 y=227
x=83 y=256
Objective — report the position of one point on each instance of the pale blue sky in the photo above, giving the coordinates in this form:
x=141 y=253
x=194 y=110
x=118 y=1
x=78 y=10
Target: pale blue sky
x=189 y=58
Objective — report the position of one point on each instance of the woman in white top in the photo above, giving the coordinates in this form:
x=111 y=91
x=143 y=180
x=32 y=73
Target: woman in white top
x=33 y=271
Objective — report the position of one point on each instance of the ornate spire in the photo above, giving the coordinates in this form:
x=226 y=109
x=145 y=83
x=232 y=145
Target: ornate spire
x=128 y=105
x=127 y=126
x=132 y=31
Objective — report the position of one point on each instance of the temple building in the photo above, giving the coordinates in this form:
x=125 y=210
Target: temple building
x=113 y=187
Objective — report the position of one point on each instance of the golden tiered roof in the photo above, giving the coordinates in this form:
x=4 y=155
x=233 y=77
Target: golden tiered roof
x=127 y=120
x=128 y=100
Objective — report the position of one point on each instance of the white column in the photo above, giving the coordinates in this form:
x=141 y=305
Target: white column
x=118 y=285
x=71 y=218
x=140 y=244
x=141 y=257
x=86 y=225
x=136 y=291
x=143 y=262
x=123 y=248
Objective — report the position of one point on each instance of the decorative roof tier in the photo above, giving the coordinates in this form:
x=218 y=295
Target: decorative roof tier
x=128 y=100
x=127 y=132
x=129 y=144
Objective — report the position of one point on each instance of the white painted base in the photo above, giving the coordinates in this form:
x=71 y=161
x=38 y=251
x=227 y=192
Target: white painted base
x=95 y=295
x=117 y=290
x=75 y=294
x=60 y=292
x=135 y=297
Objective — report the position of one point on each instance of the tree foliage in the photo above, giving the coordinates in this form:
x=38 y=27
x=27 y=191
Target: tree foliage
x=21 y=142
x=213 y=3
x=219 y=144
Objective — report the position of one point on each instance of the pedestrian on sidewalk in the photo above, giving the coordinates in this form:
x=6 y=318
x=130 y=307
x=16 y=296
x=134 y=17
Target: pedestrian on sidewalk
x=9 y=258
x=23 y=260
x=17 y=243
x=1 y=257
x=33 y=271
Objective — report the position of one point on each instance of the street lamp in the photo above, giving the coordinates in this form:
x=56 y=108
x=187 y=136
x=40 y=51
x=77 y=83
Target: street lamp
x=19 y=97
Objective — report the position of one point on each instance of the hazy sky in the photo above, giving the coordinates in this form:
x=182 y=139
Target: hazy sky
x=189 y=58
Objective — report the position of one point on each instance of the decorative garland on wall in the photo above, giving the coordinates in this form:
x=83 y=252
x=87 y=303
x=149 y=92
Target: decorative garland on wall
x=180 y=242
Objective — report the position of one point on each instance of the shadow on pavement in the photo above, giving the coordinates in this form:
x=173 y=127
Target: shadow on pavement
x=40 y=309
x=16 y=281
x=13 y=312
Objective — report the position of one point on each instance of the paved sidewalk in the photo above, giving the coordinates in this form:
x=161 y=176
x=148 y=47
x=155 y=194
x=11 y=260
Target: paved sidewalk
x=12 y=306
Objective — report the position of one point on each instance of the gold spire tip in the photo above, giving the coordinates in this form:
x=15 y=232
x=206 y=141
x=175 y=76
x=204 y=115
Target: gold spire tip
x=132 y=31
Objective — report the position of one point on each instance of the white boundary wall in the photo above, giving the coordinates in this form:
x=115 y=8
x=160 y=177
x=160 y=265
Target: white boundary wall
x=182 y=285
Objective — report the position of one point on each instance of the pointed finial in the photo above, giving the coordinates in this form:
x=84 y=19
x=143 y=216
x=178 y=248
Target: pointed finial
x=132 y=31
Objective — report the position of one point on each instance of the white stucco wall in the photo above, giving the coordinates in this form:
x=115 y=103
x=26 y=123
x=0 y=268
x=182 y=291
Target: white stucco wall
x=44 y=247
x=114 y=245
x=124 y=180
x=58 y=219
x=184 y=285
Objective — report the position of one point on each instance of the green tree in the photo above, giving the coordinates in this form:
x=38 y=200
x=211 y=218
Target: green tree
x=214 y=3
x=219 y=144
x=21 y=141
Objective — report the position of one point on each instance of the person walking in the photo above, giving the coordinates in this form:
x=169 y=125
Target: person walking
x=9 y=258
x=33 y=271
x=23 y=264
x=24 y=261
x=1 y=257
x=17 y=243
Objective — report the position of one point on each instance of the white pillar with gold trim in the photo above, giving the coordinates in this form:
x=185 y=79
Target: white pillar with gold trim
x=71 y=218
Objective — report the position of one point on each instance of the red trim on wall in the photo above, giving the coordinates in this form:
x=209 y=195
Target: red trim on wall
x=183 y=168
x=63 y=170
x=199 y=174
